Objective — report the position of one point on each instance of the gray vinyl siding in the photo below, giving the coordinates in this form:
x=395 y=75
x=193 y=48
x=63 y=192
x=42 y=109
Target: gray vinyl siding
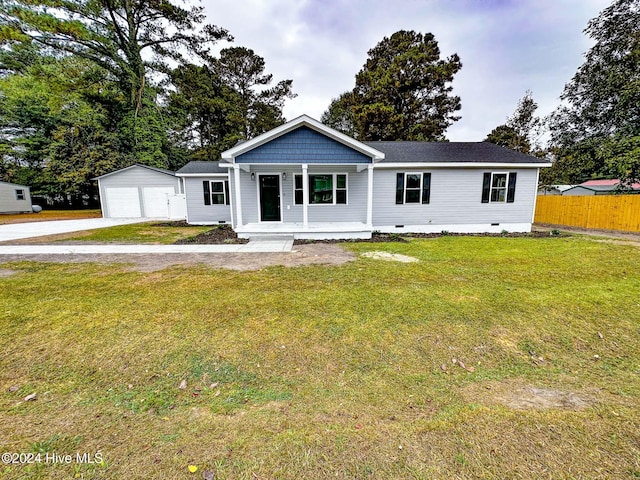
x=456 y=199
x=8 y=201
x=138 y=177
x=356 y=208
x=249 y=188
x=197 y=211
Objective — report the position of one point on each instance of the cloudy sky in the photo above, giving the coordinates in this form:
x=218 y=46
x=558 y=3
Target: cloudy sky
x=506 y=47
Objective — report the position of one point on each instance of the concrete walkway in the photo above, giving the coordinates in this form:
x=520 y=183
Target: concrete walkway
x=260 y=246
x=17 y=231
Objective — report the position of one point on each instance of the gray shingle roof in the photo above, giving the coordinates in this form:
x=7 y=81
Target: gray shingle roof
x=443 y=152
x=202 y=167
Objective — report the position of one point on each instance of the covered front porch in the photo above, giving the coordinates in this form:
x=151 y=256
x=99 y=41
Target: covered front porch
x=310 y=231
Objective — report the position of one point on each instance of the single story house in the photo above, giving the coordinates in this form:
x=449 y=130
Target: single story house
x=140 y=191
x=15 y=198
x=306 y=180
x=599 y=187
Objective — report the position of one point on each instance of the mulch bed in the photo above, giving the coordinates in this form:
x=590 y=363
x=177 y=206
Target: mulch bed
x=218 y=234
x=225 y=234
x=403 y=237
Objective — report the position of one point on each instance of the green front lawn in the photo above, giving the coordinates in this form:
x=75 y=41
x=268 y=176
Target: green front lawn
x=331 y=372
x=151 y=232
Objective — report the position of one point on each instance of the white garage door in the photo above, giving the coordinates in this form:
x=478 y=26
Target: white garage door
x=123 y=202
x=156 y=201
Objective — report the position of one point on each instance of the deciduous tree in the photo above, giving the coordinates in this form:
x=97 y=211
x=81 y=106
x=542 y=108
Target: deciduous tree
x=598 y=125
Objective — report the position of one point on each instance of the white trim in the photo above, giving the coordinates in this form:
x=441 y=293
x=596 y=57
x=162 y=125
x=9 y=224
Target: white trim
x=305 y=194
x=280 y=199
x=203 y=174
x=236 y=181
x=303 y=120
x=421 y=190
x=431 y=165
x=535 y=196
x=370 y=195
x=147 y=167
x=334 y=182
x=224 y=192
x=506 y=187
x=231 y=203
x=457 y=228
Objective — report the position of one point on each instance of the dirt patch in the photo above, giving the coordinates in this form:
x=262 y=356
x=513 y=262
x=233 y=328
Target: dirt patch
x=529 y=397
x=390 y=257
x=218 y=235
x=5 y=272
x=404 y=237
x=301 y=255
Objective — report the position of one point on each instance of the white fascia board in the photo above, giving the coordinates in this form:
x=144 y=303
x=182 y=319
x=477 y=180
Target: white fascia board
x=460 y=165
x=303 y=120
x=202 y=174
x=147 y=167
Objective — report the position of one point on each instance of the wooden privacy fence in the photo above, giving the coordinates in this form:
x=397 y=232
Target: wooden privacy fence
x=607 y=212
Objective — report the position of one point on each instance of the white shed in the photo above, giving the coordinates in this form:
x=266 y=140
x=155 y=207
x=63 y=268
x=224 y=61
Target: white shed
x=14 y=198
x=141 y=191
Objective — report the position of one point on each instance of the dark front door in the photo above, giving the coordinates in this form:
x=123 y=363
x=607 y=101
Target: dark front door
x=269 y=198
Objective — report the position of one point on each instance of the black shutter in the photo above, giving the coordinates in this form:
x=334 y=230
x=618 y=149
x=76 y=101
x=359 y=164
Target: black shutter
x=226 y=191
x=426 y=187
x=400 y=188
x=486 y=187
x=511 y=191
x=207 y=192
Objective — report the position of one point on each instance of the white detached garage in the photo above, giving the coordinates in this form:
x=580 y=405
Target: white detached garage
x=140 y=191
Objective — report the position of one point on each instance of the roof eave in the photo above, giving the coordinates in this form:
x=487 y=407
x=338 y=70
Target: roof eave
x=303 y=120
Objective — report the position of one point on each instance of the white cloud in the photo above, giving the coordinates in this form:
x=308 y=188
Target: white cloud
x=506 y=47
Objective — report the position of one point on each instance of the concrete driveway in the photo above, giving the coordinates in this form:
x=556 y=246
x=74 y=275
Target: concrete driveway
x=17 y=231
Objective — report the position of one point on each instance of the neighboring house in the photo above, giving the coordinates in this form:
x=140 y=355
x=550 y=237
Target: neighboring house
x=14 y=198
x=141 y=191
x=306 y=180
x=600 y=187
x=554 y=189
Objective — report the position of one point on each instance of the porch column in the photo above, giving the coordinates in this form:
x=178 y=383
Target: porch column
x=305 y=196
x=370 y=195
x=236 y=181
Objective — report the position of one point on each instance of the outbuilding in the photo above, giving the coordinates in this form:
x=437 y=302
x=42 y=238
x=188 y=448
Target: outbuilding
x=141 y=191
x=14 y=198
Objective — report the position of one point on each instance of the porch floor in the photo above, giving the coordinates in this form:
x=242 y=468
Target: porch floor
x=313 y=231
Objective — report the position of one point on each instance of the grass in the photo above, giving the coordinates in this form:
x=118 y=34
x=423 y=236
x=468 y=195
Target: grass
x=48 y=215
x=151 y=232
x=318 y=372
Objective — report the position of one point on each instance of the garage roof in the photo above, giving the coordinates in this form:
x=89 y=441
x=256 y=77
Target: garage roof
x=155 y=169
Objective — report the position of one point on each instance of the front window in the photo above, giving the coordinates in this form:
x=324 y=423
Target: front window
x=499 y=187
x=324 y=189
x=217 y=193
x=414 y=187
x=20 y=194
